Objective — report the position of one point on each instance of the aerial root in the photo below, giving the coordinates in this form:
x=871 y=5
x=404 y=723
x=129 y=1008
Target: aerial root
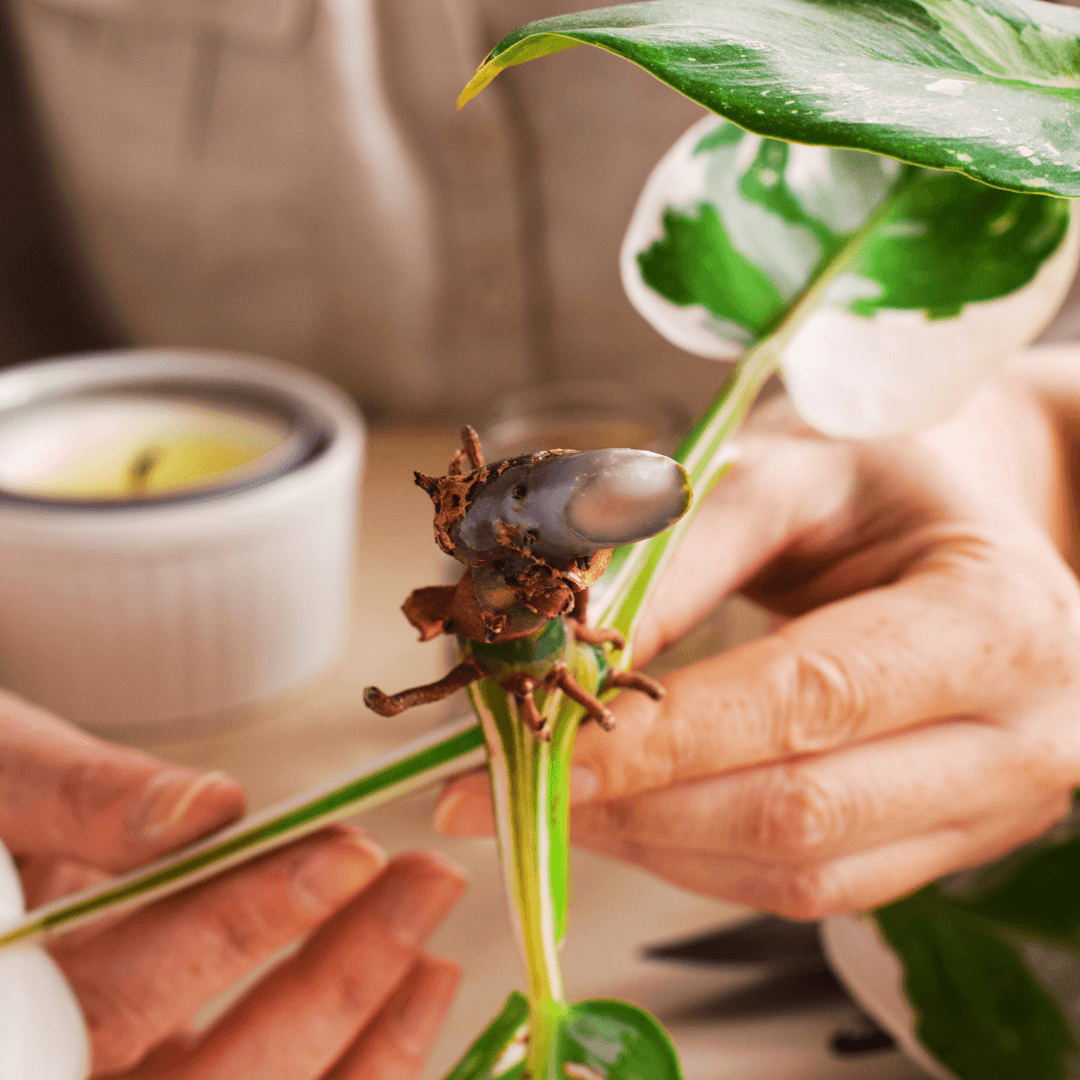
x=468 y=671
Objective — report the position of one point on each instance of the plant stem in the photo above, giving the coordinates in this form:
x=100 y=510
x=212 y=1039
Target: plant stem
x=437 y=756
x=529 y=779
x=706 y=453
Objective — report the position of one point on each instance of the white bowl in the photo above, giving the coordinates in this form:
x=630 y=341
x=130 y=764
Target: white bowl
x=184 y=609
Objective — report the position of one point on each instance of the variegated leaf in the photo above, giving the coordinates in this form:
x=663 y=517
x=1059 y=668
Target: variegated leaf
x=606 y=1040
x=498 y=1052
x=614 y=1040
x=990 y=88
x=978 y=975
x=897 y=288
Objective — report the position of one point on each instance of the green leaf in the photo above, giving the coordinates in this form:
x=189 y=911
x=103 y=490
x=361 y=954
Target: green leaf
x=613 y=1039
x=695 y=263
x=947 y=242
x=491 y=1056
x=617 y=1041
x=891 y=290
x=1034 y=889
x=981 y=1010
x=990 y=88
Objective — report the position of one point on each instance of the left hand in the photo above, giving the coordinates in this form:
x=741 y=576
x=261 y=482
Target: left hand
x=917 y=714
x=360 y=999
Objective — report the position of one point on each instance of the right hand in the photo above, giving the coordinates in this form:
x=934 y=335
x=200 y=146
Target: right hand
x=914 y=713
x=361 y=999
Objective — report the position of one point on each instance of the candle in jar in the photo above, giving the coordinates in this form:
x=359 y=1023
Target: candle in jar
x=132 y=444
x=176 y=534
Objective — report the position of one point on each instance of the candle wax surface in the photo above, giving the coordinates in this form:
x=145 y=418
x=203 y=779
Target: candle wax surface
x=170 y=463
x=129 y=446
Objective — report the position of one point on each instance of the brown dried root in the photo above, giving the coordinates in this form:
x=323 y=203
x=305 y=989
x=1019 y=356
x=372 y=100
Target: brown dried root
x=428 y=609
x=635 y=680
x=522 y=686
x=470 y=450
x=468 y=671
x=593 y=706
x=453 y=494
x=591 y=635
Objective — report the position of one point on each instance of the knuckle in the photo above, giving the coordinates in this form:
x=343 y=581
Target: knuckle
x=1035 y=596
x=1051 y=647
x=797 y=817
x=241 y=932
x=351 y=994
x=90 y=788
x=817 y=701
x=804 y=894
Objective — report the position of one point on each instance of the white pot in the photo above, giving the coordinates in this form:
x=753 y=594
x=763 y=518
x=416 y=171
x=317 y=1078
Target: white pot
x=42 y=1033
x=178 y=612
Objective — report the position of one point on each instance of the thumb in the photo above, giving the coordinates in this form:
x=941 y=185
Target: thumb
x=785 y=481
x=65 y=794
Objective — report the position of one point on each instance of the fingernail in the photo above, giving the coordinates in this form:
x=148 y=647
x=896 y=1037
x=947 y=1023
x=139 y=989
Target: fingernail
x=167 y=799
x=413 y=904
x=584 y=783
x=464 y=813
x=419 y=1007
x=447 y=810
x=335 y=872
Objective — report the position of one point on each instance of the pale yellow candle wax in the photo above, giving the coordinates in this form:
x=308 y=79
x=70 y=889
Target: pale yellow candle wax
x=130 y=446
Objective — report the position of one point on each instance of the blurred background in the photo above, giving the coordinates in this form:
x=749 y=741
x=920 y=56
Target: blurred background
x=291 y=178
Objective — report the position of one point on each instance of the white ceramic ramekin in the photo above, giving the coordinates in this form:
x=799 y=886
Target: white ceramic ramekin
x=181 y=609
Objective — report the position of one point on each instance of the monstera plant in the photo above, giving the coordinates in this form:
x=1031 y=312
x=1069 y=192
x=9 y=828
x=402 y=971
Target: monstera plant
x=879 y=212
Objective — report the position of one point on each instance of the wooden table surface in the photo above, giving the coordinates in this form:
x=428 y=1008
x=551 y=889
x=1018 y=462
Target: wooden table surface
x=277 y=750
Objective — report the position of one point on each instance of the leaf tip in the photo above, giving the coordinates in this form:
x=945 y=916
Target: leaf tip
x=513 y=50
x=484 y=75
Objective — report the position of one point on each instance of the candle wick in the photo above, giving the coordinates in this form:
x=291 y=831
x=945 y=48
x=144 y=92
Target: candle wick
x=140 y=468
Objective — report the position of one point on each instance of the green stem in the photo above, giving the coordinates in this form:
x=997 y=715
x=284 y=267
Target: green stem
x=706 y=453
x=437 y=756
x=706 y=456
x=529 y=779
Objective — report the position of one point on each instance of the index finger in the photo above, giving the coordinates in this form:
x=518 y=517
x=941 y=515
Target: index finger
x=66 y=794
x=980 y=622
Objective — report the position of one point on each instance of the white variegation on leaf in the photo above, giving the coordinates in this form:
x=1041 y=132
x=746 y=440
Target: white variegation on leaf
x=42 y=1033
x=874 y=975
x=897 y=372
x=986 y=87
x=737 y=238
x=841 y=187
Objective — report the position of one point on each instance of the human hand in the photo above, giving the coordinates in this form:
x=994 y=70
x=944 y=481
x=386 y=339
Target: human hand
x=917 y=714
x=360 y=1000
